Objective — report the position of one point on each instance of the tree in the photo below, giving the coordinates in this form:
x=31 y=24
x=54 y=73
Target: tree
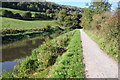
x=33 y=7
x=17 y=15
x=100 y=7
x=27 y=15
x=48 y=11
x=37 y=15
x=5 y=13
x=94 y=8
x=61 y=16
x=10 y=14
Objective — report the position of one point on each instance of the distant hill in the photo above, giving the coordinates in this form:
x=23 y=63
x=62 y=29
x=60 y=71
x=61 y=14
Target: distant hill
x=39 y=6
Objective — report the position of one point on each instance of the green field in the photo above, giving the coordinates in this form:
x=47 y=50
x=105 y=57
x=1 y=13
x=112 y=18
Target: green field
x=8 y=23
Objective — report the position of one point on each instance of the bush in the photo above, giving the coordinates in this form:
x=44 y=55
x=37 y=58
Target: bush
x=17 y=15
x=48 y=26
x=27 y=15
x=7 y=13
x=48 y=11
x=71 y=20
x=105 y=28
x=37 y=15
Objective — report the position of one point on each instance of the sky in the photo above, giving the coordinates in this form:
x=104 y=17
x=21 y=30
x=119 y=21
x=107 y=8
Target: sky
x=82 y=3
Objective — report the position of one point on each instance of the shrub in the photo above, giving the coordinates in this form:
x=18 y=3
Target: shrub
x=17 y=15
x=7 y=13
x=37 y=15
x=27 y=15
x=48 y=11
x=48 y=26
x=106 y=29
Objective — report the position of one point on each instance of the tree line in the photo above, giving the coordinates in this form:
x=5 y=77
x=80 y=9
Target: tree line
x=38 y=6
x=27 y=15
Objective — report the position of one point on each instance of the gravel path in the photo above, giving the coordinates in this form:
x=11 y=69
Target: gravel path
x=97 y=63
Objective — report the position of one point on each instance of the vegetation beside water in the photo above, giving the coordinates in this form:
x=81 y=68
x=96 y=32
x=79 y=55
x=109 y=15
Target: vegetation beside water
x=70 y=64
x=58 y=58
x=20 y=29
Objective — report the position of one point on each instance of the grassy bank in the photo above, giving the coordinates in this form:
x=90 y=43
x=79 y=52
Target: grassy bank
x=70 y=64
x=58 y=58
x=13 y=29
x=18 y=35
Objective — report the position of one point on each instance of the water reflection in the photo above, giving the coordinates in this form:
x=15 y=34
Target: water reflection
x=12 y=53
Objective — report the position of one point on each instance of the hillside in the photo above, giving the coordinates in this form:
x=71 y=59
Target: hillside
x=39 y=6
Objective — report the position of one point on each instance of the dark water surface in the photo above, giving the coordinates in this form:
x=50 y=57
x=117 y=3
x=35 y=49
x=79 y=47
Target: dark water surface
x=15 y=52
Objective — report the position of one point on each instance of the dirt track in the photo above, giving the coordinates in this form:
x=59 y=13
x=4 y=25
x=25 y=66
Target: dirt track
x=97 y=63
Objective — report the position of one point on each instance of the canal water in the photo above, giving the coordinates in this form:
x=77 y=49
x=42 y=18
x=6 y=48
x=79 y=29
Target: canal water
x=14 y=52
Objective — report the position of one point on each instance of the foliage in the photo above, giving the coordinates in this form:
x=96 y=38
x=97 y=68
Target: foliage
x=71 y=20
x=7 y=13
x=19 y=14
x=48 y=11
x=42 y=57
x=86 y=19
x=7 y=75
x=94 y=8
x=107 y=32
x=44 y=60
x=37 y=15
x=100 y=7
x=38 y=6
x=104 y=26
x=27 y=15
x=70 y=64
